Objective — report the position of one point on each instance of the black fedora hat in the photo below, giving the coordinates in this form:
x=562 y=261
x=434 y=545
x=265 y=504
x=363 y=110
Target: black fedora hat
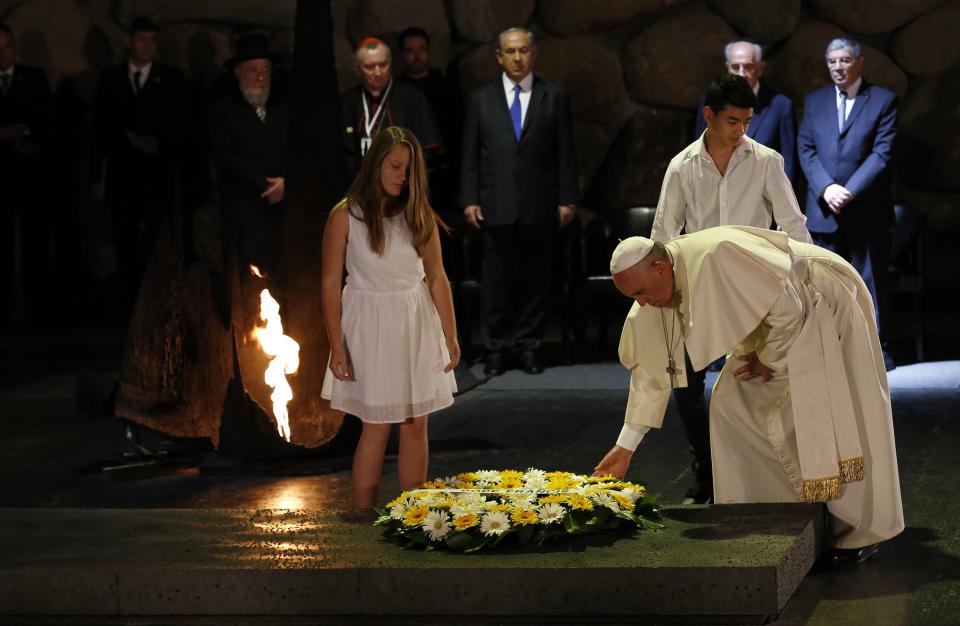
x=251 y=46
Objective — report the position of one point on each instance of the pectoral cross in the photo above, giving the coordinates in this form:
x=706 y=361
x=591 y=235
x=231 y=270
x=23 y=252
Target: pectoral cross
x=671 y=368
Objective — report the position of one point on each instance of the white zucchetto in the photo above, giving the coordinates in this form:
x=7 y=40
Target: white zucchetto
x=629 y=252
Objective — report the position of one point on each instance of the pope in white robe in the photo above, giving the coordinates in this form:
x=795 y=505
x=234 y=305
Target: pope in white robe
x=801 y=410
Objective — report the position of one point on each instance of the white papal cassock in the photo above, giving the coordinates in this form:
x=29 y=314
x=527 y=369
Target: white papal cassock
x=821 y=429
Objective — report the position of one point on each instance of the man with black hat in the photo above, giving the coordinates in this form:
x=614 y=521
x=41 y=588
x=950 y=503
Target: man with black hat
x=138 y=118
x=249 y=140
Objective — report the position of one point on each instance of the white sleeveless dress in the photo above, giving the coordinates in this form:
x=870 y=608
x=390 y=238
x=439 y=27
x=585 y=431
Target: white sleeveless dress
x=391 y=332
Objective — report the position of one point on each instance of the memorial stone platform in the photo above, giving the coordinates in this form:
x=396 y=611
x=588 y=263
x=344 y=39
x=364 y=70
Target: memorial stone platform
x=740 y=563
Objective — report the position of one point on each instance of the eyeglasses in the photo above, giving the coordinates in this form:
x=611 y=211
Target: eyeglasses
x=840 y=62
x=746 y=67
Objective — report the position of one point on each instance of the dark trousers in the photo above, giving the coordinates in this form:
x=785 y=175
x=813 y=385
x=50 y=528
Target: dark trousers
x=516 y=282
x=140 y=202
x=692 y=406
x=869 y=254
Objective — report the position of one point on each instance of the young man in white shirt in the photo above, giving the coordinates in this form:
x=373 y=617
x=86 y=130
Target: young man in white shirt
x=724 y=178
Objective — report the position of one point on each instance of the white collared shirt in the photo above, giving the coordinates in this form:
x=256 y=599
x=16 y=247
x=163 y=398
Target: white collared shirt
x=144 y=72
x=526 y=85
x=753 y=191
x=8 y=72
x=852 y=92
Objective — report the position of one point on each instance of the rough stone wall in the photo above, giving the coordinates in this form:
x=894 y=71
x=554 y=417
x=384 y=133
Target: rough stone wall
x=634 y=68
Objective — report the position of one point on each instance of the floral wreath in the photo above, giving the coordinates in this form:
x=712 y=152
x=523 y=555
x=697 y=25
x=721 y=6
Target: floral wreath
x=480 y=510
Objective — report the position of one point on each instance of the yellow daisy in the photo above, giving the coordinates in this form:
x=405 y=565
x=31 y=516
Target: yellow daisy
x=415 y=515
x=561 y=482
x=600 y=479
x=522 y=517
x=511 y=474
x=398 y=500
x=463 y=522
x=509 y=482
x=556 y=499
x=624 y=502
x=580 y=503
x=467 y=477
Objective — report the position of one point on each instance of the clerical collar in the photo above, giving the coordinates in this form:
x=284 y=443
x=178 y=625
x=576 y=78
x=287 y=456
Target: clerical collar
x=376 y=96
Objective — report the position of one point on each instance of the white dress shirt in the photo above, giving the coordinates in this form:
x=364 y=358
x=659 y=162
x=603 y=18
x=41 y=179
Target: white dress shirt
x=753 y=191
x=7 y=72
x=852 y=92
x=526 y=85
x=144 y=72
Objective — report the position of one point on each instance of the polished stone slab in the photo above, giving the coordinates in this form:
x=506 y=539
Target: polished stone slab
x=732 y=560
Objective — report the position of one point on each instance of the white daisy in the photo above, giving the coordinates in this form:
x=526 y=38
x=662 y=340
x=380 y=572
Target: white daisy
x=605 y=500
x=468 y=505
x=433 y=498
x=436 y=524
x=631 y=494
x=534 y=474
x=536 y=483
x=522 y=499
x=488 y=476
x=494 y=523
x=551 y=512
x=397 y=511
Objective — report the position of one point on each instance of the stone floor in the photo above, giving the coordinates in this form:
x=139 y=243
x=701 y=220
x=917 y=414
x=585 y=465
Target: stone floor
x=566 y=418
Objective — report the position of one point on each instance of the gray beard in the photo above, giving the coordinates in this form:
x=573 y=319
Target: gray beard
x=256 y=98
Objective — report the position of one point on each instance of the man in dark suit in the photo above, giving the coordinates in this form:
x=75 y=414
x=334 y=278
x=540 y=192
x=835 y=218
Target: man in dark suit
x=248 y=132
x=518 y=183
x=138 y=119
x=25 y=111
x=845 y=145
x=773 y=123
x=378 y=102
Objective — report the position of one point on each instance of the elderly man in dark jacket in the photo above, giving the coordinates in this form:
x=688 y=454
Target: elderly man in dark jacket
x=249 y=141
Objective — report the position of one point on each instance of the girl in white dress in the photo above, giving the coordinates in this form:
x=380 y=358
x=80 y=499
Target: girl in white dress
x=392 y=332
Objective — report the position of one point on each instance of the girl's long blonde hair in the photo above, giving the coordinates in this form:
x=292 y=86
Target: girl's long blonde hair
x=366 y=191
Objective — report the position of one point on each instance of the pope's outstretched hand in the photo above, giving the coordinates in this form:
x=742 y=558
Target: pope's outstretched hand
x=615 y=463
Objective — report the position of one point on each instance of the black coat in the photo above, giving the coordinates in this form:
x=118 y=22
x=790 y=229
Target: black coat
x=28 y=102
x=158 y=111
x=406 y=107
x=246 y=152
x=523 y=180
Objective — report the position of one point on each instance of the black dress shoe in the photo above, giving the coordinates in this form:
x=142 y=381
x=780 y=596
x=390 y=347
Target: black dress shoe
x=494 y=364
x=843 y=556
x=531 y=363
x=697 y=494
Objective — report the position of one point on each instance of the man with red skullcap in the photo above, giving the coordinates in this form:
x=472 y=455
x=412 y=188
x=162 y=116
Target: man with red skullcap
x=380 y=102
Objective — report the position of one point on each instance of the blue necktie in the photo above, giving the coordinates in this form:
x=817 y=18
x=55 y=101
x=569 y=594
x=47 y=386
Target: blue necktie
x=515 y=112
x=842 y=111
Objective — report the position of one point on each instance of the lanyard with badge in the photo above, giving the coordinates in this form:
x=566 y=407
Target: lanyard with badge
x=370 y=122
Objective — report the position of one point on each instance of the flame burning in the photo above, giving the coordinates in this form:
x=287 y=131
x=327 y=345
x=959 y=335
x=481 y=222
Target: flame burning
x=284 y=355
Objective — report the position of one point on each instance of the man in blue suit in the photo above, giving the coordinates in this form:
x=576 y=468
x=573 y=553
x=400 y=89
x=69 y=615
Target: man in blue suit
x=845 y=144
x=773 y=123
x=518 y=185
